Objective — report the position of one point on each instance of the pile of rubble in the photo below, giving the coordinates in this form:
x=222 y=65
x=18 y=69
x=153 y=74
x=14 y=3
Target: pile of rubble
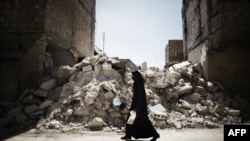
x=96 y=94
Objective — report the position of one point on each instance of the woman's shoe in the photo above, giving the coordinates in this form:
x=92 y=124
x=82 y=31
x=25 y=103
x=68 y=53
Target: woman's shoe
x=155 y=138
x=126 y=138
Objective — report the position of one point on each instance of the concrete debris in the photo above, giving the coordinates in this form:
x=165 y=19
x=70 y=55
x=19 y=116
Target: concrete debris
x=96 y=122
x=96 y=94
x=40 y=93
x=48 y=84
x=150 y=73
x=181 y=65
x=45 y=104
x=63 y=73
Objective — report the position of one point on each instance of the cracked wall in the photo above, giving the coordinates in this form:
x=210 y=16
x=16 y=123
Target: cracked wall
x=216 y=34
x=30 y=31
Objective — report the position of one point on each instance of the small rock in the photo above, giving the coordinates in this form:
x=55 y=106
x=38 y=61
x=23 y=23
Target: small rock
x=45 y=104
x=48 y=84
x=234 y=112
x=177 y=125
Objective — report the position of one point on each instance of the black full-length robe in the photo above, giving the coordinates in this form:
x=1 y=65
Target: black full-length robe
x=142 y=126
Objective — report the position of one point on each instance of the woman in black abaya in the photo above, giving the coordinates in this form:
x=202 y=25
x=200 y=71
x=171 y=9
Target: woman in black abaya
x=142 y=126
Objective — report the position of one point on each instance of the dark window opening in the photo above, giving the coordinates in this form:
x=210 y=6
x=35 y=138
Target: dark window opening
x=59 y=54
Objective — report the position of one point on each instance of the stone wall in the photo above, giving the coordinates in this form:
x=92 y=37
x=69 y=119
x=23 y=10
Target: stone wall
x=174 y=52
x=195 y=23
x=216 y=35
x=30 y=31
x=73 y=23
x=22 y=15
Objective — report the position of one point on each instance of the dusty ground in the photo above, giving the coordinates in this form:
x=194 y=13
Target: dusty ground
x=215 y=134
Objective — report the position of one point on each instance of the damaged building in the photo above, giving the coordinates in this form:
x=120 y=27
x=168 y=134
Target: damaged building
x=37 y=35
x=87 y=90
x=97 y=95
x=216 y=34
x=174 y=52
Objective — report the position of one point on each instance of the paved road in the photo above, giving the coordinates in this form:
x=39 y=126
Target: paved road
x=166 y=135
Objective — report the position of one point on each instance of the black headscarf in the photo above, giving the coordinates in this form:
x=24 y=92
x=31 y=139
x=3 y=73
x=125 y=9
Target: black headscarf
x=142 y=126
x=139 y=103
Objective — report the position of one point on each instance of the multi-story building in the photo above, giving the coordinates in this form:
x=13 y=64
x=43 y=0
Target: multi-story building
x=217 y=35
x=173 y=52
x=35 y=31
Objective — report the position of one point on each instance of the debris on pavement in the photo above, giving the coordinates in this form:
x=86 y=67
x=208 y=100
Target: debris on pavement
x=96 y=93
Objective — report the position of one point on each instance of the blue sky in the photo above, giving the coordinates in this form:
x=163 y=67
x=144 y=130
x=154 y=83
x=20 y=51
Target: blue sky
x=138 y=29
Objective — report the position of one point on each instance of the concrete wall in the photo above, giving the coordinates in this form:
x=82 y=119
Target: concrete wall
x=216 y=34
x=21 y=25
x=174 y=52
x=195 y=24
x=22 y=15
x=231 y=68
x=72 y=23
x=30 y=29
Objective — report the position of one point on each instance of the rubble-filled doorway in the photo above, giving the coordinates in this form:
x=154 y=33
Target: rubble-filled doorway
x=59 y=54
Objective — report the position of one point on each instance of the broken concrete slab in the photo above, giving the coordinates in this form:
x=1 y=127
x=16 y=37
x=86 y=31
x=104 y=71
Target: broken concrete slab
x=49 y=84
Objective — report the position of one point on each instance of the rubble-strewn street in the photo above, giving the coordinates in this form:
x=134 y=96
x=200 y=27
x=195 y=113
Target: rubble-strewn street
x=215 y=134
x=96 y=93
x=57 y=84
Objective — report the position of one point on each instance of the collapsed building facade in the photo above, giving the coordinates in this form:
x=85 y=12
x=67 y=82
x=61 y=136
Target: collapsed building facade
x=216 y=34
x=88 y=94
x=96 y=94
x=37 y=35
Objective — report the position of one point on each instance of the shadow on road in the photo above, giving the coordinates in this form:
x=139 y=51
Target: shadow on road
x=8 y=132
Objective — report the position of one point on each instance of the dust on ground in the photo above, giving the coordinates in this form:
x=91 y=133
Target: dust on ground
x=200 y=134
